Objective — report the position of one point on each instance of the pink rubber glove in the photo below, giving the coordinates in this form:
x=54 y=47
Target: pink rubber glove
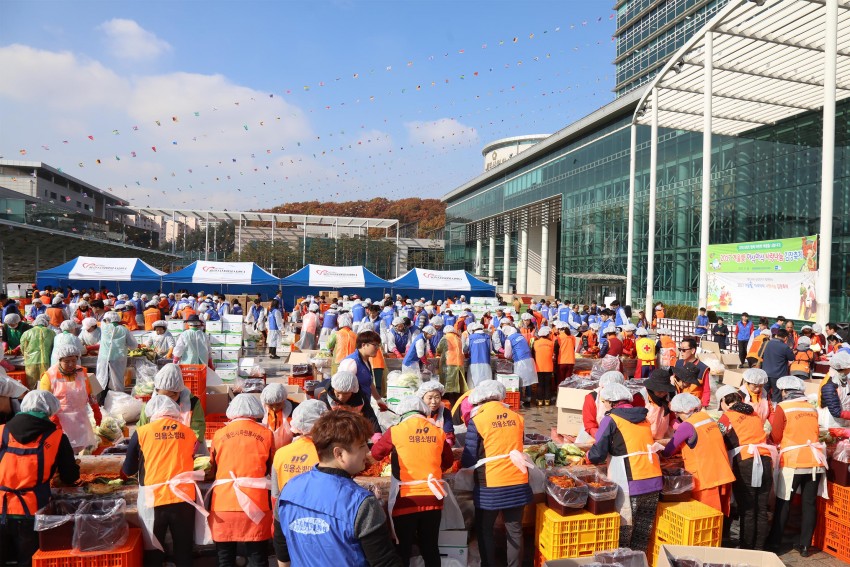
x=375 y=438
x=175 y=360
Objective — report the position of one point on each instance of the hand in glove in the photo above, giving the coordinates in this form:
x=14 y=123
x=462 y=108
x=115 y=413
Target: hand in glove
x=98 y=416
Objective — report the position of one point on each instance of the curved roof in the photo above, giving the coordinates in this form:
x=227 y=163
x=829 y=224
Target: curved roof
x=768 y=65
x=496 y=144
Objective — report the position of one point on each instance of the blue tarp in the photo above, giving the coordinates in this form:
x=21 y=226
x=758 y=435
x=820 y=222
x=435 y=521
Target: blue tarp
x=348 y=280
x=116 y=274
x=223 y=277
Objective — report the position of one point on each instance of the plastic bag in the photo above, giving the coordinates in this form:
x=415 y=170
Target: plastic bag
x=504 y=366
x=622 y=556
x=842 y=451
x=100 y=525
x=463 y=480
x=110 y=428
x=574 y=496
x=299 y=370
x=252 y=385
x=716 y=367
x=125 y=406
x=599 y=486
x=145 y=374
x=604 y=365
x=676 y=481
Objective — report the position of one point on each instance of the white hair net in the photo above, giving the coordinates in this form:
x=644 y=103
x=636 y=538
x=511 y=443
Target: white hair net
x=89 y=322
x=411 y=403
x=42 y=321
x=245 y=405
x=12 y=319
x=436 y=320
x=67 y=325
x=509 y=331
x=203 y=307
x=314 y=307
x=344 y=320
x=817 y=328
x=40 y=400
x=169 y=378
x=472 y=327
x=790 y=383
x=163 y=324
x=111 y=317
x=839 y=361
x=594 y=326
x=344 y=381
x=526 y=316
x=367 y=326
x=11 y=388
x=755 y=376
x=724 y=391
x=306 y=414
x=397 y=321
x=803 y=343
x=429 y=330
x=544 y=331
x=487 y=391
x=611 y=377
x=57 y=300
x=273 y=394
x=347 y=365
x=64 y=350
x=641 y=332
x=430 y=386
x=161 y=406
x=615 y=392
x=449 y=329
x=685 y=403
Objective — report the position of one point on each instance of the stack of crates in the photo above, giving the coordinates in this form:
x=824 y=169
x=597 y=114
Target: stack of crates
x=685 y=523
x=127 y=555
x=195 y=378
x=576 y=535
x=833 y=527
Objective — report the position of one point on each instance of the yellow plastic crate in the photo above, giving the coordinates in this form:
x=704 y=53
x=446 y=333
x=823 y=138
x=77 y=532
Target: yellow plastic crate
x=578 y=535
x=689 y=523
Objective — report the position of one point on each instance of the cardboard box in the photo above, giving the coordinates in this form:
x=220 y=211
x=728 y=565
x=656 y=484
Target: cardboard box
x=175 y=324
x=730 y=359
x=733 y=378
x=218 y=398
x=233 y=340
x=213 y=327
x=812 y=387
x=217 y=340
x=302 y=357
x=509 y=381
x=96 y=388
x=570 y=402
x=721 y=555
x=709 y=346
x=453 y=545
x=396 y=393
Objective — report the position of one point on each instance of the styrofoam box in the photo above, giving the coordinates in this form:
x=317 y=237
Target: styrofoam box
x=218 y=339
x=225 y=366
x=230 y=354
x=233 y=340
x=395 y=395
x=248 y=362
x=175 y=324
x=232 y=318
x=226 y=375
x=483 y=301
x=509 y=381
x=231 y=327
x=213 y=327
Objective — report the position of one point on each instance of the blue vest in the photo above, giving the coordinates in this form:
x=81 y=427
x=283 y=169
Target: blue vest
x=236 y=310
x=411 y=356
x=225 y=306
x=422 y=320
x=435 y=341
x=744 y=331
x=410 y=312
x=137 y=303
x=401 y=340
x=450 y=320
x=519 y=347
x=479 y=348
x=255 y=312
x=470 y=319
x=592 y=318
x=502 y=338
x=273 y=320
x=364 y=375
x=214 y=316
x=622 y=319
x=357 y=312
x=564 y=314
x=387 y=318
x=317 y=513
x=330 y=320
x=701 y=320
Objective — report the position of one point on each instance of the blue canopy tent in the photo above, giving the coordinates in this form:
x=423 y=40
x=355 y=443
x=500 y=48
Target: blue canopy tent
x=116 y=274
x=437 y=284
x=223 y=277
x=348 y=280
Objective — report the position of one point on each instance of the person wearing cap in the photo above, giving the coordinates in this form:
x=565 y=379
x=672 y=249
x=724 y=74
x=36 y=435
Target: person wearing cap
x=128 y=316
x=451 y=368
x=193 y=345
x=432 y=393
x=804 y=359
x=398 y=338
x=624 y=440
x=37 y=346
x=495 y=433
x=161 y=340
x=589 y=335
x=257 y=317
x=752 y=464
x=688 y=356
x=611 y=345
x=68 y=381
x=342 y=342
x=275 y=327
x=701 y=442
x=645 y=353
x=66 y=337
x=241 y=456
x=367 y=346
x=168 y=382
x=37 y=308
x=417 y=351
x=660 y=390
x=628 y=340
x=90 y=335
x=56 y=311
x=755 y=348
x=344 y=393
x=420 y=454
x=776 y=358
x=753 y=394
x=665 y=346
x=309 y=328
x=82 y=311
x=834 y=393
x=162 y=453
x=33 y=449
x=565 y=352
x=518 y=350
x=277 y=409
x=529 y=326
x=543 y=351
x=802 y=461
x=13 y=328
x=438 y=323
x=151 y=314
x=593 y=410
x=325 y=517
x=818 y=338
x=477 y=346
x=11 y=392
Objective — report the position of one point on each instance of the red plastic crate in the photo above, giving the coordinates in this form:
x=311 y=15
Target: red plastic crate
x=128 y=555
x=195 y=378
x=513 y=400
x=817 y=536
x=836 y=539
x=215 y=421
x=19 y=375
x=299 y=381
x=838 y=505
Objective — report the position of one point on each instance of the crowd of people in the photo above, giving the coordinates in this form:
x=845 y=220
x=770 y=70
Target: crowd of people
x=275 y=462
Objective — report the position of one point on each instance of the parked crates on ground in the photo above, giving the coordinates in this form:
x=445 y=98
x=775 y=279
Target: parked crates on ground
x=820 y=526
x=836 y=539
x=685 y=523
x=513 y=400
x=299 y=381
x=577 y=535
x=838 y=505
x=195 y=378
x=215 y=421
x=19 y=375
x=128 y=555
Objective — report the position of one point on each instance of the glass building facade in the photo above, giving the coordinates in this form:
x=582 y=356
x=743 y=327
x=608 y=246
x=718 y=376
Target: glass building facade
x=765 y=185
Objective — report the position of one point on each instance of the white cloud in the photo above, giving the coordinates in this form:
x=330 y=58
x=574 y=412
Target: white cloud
x=128 y=40
x=441 y=133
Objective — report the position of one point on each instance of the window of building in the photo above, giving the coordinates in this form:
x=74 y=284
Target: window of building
x=52 y=195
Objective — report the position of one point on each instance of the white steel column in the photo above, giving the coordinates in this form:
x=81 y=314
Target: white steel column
x=207 y=237
x=828 y=163
x=705 y=214
x=522 y=253
x=491 y=266
x=240 y=237
x=506 y=279
x=653 y=179
x=479 y=244
x=271 y=270
x=544 y=258
x=630 y=247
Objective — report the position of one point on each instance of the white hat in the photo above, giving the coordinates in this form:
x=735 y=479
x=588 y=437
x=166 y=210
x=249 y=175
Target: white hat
x=306 y=415
x=664 y=331
x=509 y=331
x=344 y=320
x=685 y=403
x=755 y=376
x=544 y=331
x=615 y=393
x=429 y=330
x=803 y=343
x=273 y=394
x=817 y=329
x=412 y=403
x=487 y=391
x=594 y=326
x=790 y=383
x=12 y=319
x=641 y=332
x=398 y=321
x=66 y=350
x=449 y=329
x=40 y=401
x=344 y=381
x=169 y=378
x=163 y=324
x=839 y=361
x=611 y=377
x=245 y=405
x=725 y=390
x=430 y=386
x=42 y=321
x=161 y=406
x=67 y=325
x=436 y=320
x=313 y=307
x=526 y=316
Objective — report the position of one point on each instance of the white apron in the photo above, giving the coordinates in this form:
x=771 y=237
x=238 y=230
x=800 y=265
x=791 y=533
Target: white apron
x=146 y=508
x=584 y=436
x=254 y=513
x=617 y=474
x=73 y=412
x=536 y=478
x=826 y=420
x=758 y=467
x=785 y=480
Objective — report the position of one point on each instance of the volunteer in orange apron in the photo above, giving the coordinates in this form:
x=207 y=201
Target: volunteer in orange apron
x=802 y=460
x=565 y=351
x=152 y=314
x=593 y=409
x=276 y=414
x=624 y=435
x=701 y=442
x=666 y=348
x=343 y=342
x=168 y=382
x=660 y=390
x=431 y=393
x=543 y=351
x=241 y=458
x=752 y=391
x=32 y=450
x=69 y=383
x=162 y=453
x=752 y=463
x=420 y=454
x=494 y=448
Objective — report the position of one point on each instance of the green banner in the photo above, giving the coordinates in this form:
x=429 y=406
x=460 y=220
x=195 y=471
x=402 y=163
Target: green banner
x=783 y=255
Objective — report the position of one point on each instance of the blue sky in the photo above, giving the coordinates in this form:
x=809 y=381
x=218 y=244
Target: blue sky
x=251 y=104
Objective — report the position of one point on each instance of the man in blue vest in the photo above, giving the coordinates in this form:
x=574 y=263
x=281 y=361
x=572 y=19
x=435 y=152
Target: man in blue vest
x=397 y=338
x=564 y=312
x=357 y=311
x=437 y=323
x=417 y=351
x=701 y=323
x=620 y=314
x=325 y=517
x=449 y=318
x=518 y=350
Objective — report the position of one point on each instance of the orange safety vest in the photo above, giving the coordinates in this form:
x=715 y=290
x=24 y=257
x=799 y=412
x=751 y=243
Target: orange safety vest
x=346 y=342
x=378 y=361
x=801 y=427
x=298 y=457
x=538 y=317
x=168 y=447
x=79 y=314
x=129 y=319
x=755 y=347
x=544 y=354
x=25 y=469
x=501 y=430
x=454 y=353
x=638 y=437
x=152 y=315
x=749 y=429
x=418 y=449
x=693 y=389
x=645 y=350
x=668 y=351
x=241 y=447
x=528 y=334
x=708 y=461
x=187 y=312
x=566 y=349
x=803 y=362
x=56 y=315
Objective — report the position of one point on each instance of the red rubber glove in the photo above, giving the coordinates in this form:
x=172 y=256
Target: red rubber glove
x=382 y=406
x=396 y=353
x=175 y=360
x=98 y=416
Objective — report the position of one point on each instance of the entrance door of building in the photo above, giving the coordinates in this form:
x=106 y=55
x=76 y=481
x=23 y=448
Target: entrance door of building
x=600 y=291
